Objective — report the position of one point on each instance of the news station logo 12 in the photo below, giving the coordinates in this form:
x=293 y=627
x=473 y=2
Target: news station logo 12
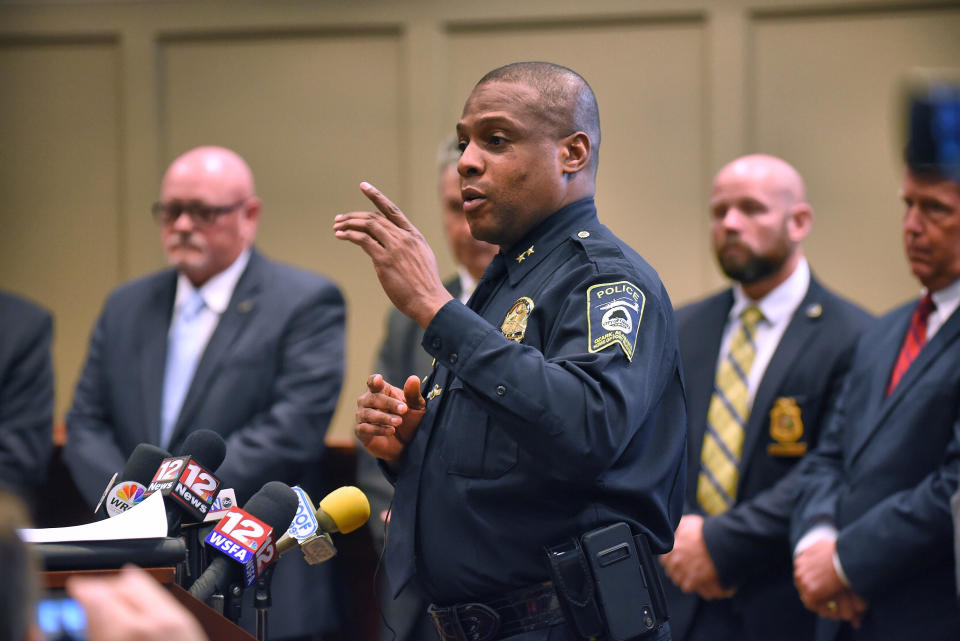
x=245 y=539
x=188 y=482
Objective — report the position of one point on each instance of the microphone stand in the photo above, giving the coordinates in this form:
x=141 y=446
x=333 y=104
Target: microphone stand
x=196 y=553
x=262 y=600
x=228 y=602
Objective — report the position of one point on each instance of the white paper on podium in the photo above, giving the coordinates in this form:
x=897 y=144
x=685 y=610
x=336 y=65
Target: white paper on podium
x=148 y=520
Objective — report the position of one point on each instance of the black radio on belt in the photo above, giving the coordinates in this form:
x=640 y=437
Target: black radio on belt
x=608 y=584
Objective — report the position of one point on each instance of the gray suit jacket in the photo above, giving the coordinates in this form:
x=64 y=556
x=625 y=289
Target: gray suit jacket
x=400 y=356
x=26 y=392
x=268 y=382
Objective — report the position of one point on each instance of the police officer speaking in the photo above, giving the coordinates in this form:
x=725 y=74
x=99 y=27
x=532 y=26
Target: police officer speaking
x=541 y=462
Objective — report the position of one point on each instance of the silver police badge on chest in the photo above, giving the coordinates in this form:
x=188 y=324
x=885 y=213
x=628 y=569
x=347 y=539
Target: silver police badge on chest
x=514 y=324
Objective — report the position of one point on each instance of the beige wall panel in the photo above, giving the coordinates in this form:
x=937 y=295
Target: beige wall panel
x=824 y=96
x=60 y=177
x=314 y=115
x=651 y=180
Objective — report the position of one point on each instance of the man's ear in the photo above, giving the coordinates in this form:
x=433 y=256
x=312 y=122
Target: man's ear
x=252 y=209
x=575 y=152
x=251 y=219
x=800 y=222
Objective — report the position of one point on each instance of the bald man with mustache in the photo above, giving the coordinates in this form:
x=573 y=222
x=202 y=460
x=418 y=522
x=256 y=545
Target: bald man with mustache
x=226 y=340
x=763 y=361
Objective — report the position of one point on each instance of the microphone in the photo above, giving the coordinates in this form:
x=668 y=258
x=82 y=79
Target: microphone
x=187 y=480
x=204 y=444
x=226 y=499
x=246 y=537
x=136 y=474
x=343 y=510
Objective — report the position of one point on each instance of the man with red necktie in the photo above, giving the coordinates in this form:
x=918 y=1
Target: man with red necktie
x=872 y=528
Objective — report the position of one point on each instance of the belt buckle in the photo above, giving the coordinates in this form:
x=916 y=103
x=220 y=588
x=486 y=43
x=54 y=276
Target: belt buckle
x=466 y=622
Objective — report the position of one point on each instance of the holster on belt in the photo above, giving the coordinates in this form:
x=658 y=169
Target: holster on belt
x=608 y=585
x=574 y=585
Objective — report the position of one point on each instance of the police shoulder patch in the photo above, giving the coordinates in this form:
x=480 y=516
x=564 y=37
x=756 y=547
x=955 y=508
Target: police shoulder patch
x=614 y=312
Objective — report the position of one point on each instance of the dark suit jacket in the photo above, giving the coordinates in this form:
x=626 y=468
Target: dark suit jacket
x=749 y=543
x=955 y=506
x=884 y=475
x=400 y=356
x=26 y=393
x=268 y=382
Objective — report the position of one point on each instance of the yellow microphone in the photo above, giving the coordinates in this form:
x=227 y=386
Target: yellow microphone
x=343 y=510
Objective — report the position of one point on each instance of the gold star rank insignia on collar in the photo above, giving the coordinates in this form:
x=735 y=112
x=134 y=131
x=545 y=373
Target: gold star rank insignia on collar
x=523 y=255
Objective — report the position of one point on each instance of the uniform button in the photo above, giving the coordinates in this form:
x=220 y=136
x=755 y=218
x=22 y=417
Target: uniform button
x=453 y=357
x=436 y=342
x=501 y=390
x=584 y=234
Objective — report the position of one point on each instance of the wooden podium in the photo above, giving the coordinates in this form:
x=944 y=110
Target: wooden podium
x=216 y=626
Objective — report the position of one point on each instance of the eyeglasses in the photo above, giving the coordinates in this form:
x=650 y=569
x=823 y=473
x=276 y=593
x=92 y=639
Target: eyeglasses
x=199 y=213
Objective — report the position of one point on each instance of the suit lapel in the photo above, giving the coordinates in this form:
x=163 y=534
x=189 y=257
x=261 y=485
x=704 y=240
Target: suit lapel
x=799 y=331
x=944 y=337
x=700 y=355
x=155 y=325
x=887 y=350
x=231 y=324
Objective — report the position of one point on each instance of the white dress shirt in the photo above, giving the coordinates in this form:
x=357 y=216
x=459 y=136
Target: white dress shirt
x=946 y=300
x=467 y=284
x=777 y=307
x=216 y=294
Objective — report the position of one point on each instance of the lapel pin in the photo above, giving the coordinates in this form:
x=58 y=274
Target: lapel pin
x=244 y=306
x=814 y=310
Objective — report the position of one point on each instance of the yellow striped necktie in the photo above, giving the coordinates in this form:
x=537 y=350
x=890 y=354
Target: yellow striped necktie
x=727 y=419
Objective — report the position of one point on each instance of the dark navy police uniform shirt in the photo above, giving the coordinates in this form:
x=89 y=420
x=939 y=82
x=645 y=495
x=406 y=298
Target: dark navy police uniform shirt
x=554 y=408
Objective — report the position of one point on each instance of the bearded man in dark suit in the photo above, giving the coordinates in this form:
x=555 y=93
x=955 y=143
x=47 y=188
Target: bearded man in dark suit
x=763 y=361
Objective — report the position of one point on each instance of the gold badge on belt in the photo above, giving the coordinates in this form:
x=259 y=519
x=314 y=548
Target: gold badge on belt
x=786 y=428
x=514 y=324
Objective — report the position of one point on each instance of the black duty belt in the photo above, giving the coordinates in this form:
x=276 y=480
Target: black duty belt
x=519 y=611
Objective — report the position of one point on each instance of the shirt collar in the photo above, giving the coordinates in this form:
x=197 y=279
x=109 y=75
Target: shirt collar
x=781 y=301
x=526 y=253
x=467 y=283
x=217 y=291
x=947 y=299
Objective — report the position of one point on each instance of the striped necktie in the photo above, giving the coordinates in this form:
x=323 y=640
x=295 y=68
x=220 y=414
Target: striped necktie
x=727 y=419
x=913 y=342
